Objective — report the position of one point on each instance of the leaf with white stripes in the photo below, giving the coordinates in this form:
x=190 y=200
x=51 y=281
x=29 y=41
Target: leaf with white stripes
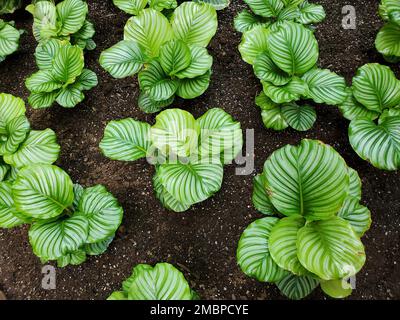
x=271 y=114
x=9 y=39
x=150 y=29
x=161 y=282
x=52 y=240
x=14 y=134
x=86 y=80
x=292 y=91
x=194 y=23
x=70 y=96
x=282 y=244
x=297 y=287
x=192 y=182
x=190 y=88
x=148 y=105
x=260 y=197
x=354 y=184
x=352 y=109
x=126 y=140
x=265 y=69
x=43 y=81
x=392 y=8
x=266 y=8
x=254 y=42
x=4 y=169
x=299 y=117
x=42 y=191
x=356 y=214
x=174 y=56
x=40 y=147
x=293 y=48
x=8 y=219
x=73 y=258
x=200 y=63
x=375 y=86
x=246 y=21
x=311 y=13
x=217 y=4
x=124 y=59
x=131 y=6
x=310 y=179
x=97 y=248
x=71 y=15
x=330 y=249
x=40 y=100
x=44 y=19
x=253 y=255
x=160 y=5
x=379 y=144
x=175 y=131
x=102 y=211
x=68 y=63
x=45 y=52
x=388 y=40
x=10 y=107
x=337 y=289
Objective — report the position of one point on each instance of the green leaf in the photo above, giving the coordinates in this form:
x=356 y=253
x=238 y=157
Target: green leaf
x=282 y=244
x=357 y=215
x=86 y=80
x=124 y=59
x=200 y=63
x=44 y=20
x=260 y=197
x=253 y=254
x=377 y=144
x=70 y=96
x=74 y=258
x=287 y=93
x=355 y=184
x=217 y=4
x=174 y=56
x=10 y=107
x=311 y=13
x=68 y=63
x=9 y=39
x=352 y=109
x=97 y=248
x=45 y=52
x=150 y=29
x=149 y=105
x=85 y=33
x=325 y=86
x=301 y=118
x=156 y=83
x=293 y=48
x=330 y=249
x=53 y=240
x=4 y=168
x=194 y=23
x=388 y=40
x=118 y=295
x=126 y=140
x=195 y=87
x=163 y=4
x=192 y=182
x=175 y=131
x=297 y=287
x=310 y=179
x=9 y=6
x=246 y=21
x=42 y=191
x=40 y=100
x=71 y=15
x=393 y=112
x=8 y=219
x=376 y=87
x=43 y=81
x=271 y=114
x=266 y=8
x=392 y=8
x=253 y=43
x=14 y=134
x=78 y=191
x=265 y=69
x=131 y=6
x=40 y=147
x=337 y=289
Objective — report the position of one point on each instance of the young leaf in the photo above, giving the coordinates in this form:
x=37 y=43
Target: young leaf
x=200 y=63
x=45 y=52
x=163 y=4
x=174 y=56
x=71 y=15
x=357 y=215
x=301 y=118
x=352 y=109
x=190 y=88
x=68 y=63
x=14 y=134
x=297 y=287
x=311 y=13
x=253 y=43
x=217 y=4
x=74 y=258
x=266 y=70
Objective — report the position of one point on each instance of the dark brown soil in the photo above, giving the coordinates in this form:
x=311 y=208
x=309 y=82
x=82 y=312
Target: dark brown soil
x=201 y=242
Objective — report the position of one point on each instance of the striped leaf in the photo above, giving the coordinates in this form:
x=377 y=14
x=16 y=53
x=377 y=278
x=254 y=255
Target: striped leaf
x=376 y=87
x=192 y=182
x=42 y=191
x=271 y=114
x=43 y=81
x=325 y=86
x=44 y=20
x=352 y=109
x=10 y=107
x=393 y=112
x=40 y=100
x=354 y=184
x=148 y=105
x=8 y=219
x=97 y=248
x=246 y=21
x=311 y=13
x=301 y=118
x=40 y=147
x=74 y=258
x=357 y=215
x=126 y=140
x=330 y=249
x=9 y=6
x=150 y=29
x=55 y=239
x=265 y=69
x=71 y=15
x=337 y=289
x=297 y=287
x=15 y=133
x=86 y=80
x=388 y=40
x=200 y=63
x=310 y=179
x=293 y=48
x=194 y=87
x=131 y=6
x=266 y=8
x=102 y=211
x=124 y=59
x=163 y=4
x=194 y=23
x=282 y=244
x=9 y=39
x=68 y=63
x=377 y=144
x=174 y=56
x=392 y=8
x=70 y=96
x=45 y=52
x=292 y=91
x=253 y=255
x=260 y=197
x=4 y=169
x=175 y=131
x=217 y=4
x=253 y=43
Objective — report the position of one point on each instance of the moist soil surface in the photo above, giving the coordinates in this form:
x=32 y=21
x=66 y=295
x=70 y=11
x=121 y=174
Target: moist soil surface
x=202 y=241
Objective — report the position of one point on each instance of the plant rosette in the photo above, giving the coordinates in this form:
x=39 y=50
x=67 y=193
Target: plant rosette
x=188 y=153
x=9 y=39
x=169 y=55
x=161 y=282
x=373 y=107
x=314 y=220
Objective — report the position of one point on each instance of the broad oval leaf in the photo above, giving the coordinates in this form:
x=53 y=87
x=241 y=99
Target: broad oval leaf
x=260 y=197
x=388 y=40
x=148 y=105
x=357 y=215
x=354 y=184
x=42 y=191
x=299 y=117
x=352 y=109
x=71 y=15
x=174 y=56
x=297 y=287
x=97 y=248
x=10 y=107
x=68 y=63
x=40 y=100
x=70 y=96
x=274 y=119
x=265 y=69
x=8 y=219
x=131 y=6
x=15 y=133
x=86 y=80
x=43 y=81
x=292 y=91
x=194 y=87
x=73 y=258
x=311 y=13
x=253 y=43
x=9 y=39
x=330 y=249
x=45 y=52
x=200 y=63
x=266 y=8
x=337 y=289
x=246 y=21
x=253 y=255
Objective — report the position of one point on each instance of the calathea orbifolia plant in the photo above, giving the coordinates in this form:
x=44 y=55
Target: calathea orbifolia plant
x=9 y=6
x=169 y=55
x=9 y=38
x=64 y=21
x=134 y=7
x=314 y=222
x=19 y=145
x=373 y=107
x=285 y=60
x=161 y=282
x=271 y=13
x=388 y=40
x=188 y=153
x=61 y=78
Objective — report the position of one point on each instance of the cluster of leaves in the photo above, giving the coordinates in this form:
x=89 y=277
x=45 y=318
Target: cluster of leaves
x=315 y=220
x=388 y=39
x=67 y=221
x=188 y=153
x=170 y=55
x=9 y=38
x=373 y=107
x=9 y=6
x=161 y=282
x=61 y=76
